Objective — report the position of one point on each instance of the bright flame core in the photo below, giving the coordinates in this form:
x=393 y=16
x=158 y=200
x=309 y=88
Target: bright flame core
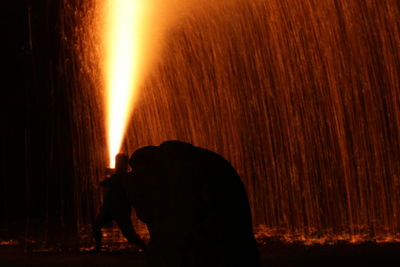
x=125 y=22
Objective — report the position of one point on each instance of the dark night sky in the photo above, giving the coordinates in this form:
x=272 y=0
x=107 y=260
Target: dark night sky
x=14 y=105
x=33 y=105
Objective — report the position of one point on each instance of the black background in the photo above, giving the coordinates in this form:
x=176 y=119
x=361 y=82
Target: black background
x=35 y=137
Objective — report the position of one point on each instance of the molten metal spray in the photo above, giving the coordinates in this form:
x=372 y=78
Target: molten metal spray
x=125 y=25
x=302 y=98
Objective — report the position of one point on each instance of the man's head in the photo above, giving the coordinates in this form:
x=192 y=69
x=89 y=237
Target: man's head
x=145 y=159
x=121 y=163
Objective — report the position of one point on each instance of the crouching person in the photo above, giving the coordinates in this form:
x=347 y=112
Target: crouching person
x=116 y=206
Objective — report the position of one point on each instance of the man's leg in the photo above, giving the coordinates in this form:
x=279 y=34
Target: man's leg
x=102 y=219
x=125 y=224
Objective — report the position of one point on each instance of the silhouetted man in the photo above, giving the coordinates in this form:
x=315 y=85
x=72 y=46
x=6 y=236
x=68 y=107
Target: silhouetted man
x=116 y=206
x=195 y=207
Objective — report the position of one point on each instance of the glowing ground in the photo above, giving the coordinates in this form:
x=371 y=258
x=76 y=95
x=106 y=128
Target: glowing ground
x=277 y=254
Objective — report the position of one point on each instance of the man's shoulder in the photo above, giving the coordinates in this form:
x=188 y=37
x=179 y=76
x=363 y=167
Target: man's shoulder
x=107 y=182
x=118 y=178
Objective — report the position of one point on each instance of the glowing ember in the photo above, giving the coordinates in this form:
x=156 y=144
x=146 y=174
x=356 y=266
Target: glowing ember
x=125 y=26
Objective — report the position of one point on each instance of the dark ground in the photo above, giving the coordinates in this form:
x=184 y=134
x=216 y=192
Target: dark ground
x=279 y=254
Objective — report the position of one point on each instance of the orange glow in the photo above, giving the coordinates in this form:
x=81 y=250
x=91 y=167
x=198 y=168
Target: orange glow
x=124 y=39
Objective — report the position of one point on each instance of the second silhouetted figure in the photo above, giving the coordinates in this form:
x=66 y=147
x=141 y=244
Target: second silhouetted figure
x=116 y=206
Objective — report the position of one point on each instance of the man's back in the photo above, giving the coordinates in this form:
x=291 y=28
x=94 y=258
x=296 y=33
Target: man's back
x=196 y=205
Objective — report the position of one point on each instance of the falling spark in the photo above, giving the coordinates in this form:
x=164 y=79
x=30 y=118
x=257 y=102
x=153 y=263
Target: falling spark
x=125 y=22
x=288 y=100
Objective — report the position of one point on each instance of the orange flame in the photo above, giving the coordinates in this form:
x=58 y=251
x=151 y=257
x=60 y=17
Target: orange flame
x=125 y=25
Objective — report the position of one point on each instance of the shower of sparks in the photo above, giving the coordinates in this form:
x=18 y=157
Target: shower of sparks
x=125 y=26
x=302 y=99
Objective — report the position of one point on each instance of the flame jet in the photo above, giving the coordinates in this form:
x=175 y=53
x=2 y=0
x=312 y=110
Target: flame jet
x=124 y=39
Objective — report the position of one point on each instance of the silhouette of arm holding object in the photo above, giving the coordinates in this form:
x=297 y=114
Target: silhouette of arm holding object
x=116 y=206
